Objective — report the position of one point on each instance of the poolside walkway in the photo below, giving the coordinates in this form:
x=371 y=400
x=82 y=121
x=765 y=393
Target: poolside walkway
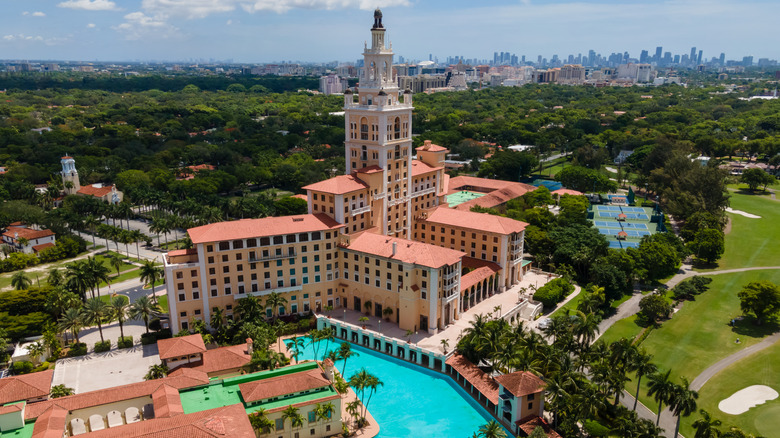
x=370 y=430
x=505 y=301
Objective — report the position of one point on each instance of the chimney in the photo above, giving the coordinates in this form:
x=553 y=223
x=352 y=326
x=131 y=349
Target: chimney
x=249 y=346
x=395 y=248
x=427 y=145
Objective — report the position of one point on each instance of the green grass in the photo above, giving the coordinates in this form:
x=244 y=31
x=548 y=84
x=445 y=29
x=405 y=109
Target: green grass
x=752 y=242
x=107 y=298
x=571 y=305
x=699 y=335
x=764 y=369
x=625 y=328
x=163 y=302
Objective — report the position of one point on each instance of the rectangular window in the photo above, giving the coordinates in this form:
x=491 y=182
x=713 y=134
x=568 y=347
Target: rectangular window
x=195 y=295
x=238 y=244
x=224 y=246
x=182 y=297
x=279 y=423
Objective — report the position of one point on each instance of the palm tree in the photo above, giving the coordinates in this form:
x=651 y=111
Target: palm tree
x=296 y=419
x=97 y=272
x=93 y=312
x=156 y=371
x=77 y=278
x=217 y=319
x=586 y=327
x=158 y=226
x=324 y=412
x=353 y=407
x=492 y=430
x=260 y=422
x=20 y=281
x=35 y=351
x=144 y=308
x=249 y=309
x=345 y=352
x=71 y=320
x=54 y=278
x=150 y=274
x=327 y=336
x=91 y=222
x=295 y=346
x=117 y=309
x=661 y=389
x=116 y=263
x=642 y=366
x=445 y=344
x=682 y=402
x=136 y=236
x=372 y=382
x=275 y=301
x=706 y=426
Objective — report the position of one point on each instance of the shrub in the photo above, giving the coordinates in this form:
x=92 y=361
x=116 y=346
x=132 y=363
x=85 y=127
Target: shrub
x=553 y=292
x=125 y=342
x=101 y=347
x=42 y=367
x=155 y=324
x=148 y=339
x=164 y=334
x=22 y=367
x=79 y=349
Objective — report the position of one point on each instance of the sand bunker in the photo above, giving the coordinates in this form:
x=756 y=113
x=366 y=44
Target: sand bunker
x=746 y=398
x=742 y=213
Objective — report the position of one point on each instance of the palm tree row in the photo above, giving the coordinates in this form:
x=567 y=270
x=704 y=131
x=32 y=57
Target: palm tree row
x=98 y=312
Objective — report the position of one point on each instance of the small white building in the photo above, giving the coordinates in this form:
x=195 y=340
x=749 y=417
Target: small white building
x=27 y=240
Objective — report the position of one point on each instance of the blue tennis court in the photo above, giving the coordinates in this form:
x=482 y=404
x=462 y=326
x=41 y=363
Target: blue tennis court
x=633 y=209
x=635 y=233
x=617 y=244
x=607 y=224
x=607 y=207
x=629 y=225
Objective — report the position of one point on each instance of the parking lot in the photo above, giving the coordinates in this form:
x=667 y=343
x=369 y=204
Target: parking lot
x=105 y=370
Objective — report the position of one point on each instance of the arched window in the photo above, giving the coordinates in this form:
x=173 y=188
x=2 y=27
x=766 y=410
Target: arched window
x=364 y=129
x=397 y=128
x=386 y=72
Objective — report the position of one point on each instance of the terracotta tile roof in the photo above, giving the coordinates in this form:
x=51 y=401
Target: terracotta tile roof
x=12 y=408
x=528 y=424
x=521 y=383
x=25 y=386
x=189 y=373
x=117 y=393
x=41 y=247
x=268 y=226
x=304 y=197
x=407 y=251
x=181 y=252
x=495 y=198
x=338 y=185
x=221 y=359
x=477 y=275
x=485 y=185
x=181 y=346
x=98 y=192
x=282 y=385
x=420 y=168
x=481 y=381
x=229 y=421
x=369 y=169
x=167 y=402
x=428 y=146
x=51 y=423
x=561 y=192
x=475 y=221
x=26 y=233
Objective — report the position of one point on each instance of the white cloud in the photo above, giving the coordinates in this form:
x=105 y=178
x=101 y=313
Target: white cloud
x=281 y=6
x=25 y=13
x=91 y=26
x=89 y=5
x=38 y=14
x=138 y=24
x=189 y=8
x=22 y=37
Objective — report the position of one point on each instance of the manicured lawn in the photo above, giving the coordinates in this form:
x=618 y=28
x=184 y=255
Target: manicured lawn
x=762 y=368
x=699 y=334
x=752 y=242
x=163 y=302
x=570 y=306
x=625 y=328
x=107 y=298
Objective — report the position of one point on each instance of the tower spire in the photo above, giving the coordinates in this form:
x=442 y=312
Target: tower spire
x=377 y=19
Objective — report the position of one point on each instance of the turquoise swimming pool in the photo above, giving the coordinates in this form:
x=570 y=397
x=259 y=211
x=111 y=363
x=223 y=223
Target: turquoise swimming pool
x=414 y=401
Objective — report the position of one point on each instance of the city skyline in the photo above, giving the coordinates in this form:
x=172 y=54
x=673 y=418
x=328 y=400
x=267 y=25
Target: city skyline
x=261 y=31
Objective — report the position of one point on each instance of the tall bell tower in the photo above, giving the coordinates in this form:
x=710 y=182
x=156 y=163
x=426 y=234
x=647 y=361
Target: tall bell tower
x=70 y=176
x=379 y=134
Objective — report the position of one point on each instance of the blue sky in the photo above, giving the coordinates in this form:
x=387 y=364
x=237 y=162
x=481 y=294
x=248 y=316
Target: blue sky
x=328 y=30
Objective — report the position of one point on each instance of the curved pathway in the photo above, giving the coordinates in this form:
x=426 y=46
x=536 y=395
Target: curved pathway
x=710 y=372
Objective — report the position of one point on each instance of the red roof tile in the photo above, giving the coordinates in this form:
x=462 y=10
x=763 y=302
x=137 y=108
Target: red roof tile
x=51 y=423
x=181 y=252
x=420 y=168
x=481 y=381
x=17 y=407
x=304 y=197
x=338 y=185
x=283 y=385
x=407 y=251
x=521 y=383
x=25 y=386
x=167 y=402
x=483 y=184
x=561 y=192
x=428 y=146
x=229 y=421
x=268 y=226
x=369 y=169
x=26 y=233
x=41 y=247
x=98 y=192
x=495 y=198
x=181 y=346
x=221 y=359
x=475 y=221
x=528 y=424
x=477 y=275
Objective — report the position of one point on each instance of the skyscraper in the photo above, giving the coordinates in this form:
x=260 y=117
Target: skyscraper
x=698 y=59
x=658 y=51
x=693 y=54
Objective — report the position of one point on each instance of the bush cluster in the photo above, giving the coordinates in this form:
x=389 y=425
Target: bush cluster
x=22 y=367
x=125 y=342
x=103 y=346
x=79 y=349
x=553 y=292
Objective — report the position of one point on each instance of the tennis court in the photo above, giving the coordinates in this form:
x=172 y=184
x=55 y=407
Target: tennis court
x=624 y=227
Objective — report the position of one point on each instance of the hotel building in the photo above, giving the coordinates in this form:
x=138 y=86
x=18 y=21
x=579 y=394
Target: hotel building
x=379 y=237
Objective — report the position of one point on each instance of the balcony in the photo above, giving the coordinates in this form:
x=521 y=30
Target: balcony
x=451 y=275
x=400 y=200
x=273 y=257
x=269 y=291
x=360 y=210
x=380 y=196
x=423 y=192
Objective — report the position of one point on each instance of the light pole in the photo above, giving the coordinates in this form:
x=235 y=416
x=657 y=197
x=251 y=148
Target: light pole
x=345 y=315
x=379 y=326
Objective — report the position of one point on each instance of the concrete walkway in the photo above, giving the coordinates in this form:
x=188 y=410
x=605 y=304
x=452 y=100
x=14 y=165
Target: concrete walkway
x=710 y=372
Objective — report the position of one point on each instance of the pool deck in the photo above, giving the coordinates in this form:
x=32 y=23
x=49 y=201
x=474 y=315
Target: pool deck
x=506 y=300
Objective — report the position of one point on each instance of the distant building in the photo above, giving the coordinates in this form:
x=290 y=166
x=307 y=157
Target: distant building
x=27 y=240
x=421 y=83
x=333 y=84
x=70 y=180
x=572 y=74
x=622 y=156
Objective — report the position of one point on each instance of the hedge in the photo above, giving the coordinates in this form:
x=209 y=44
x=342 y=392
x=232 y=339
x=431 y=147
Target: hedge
x=126 y=342
x=103 y=346
x=42 y=367
x=22 y=367
x=553 y=292
x=79 y=349
x=148 y=339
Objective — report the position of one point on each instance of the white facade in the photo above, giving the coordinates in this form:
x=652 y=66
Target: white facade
x=332 y=84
